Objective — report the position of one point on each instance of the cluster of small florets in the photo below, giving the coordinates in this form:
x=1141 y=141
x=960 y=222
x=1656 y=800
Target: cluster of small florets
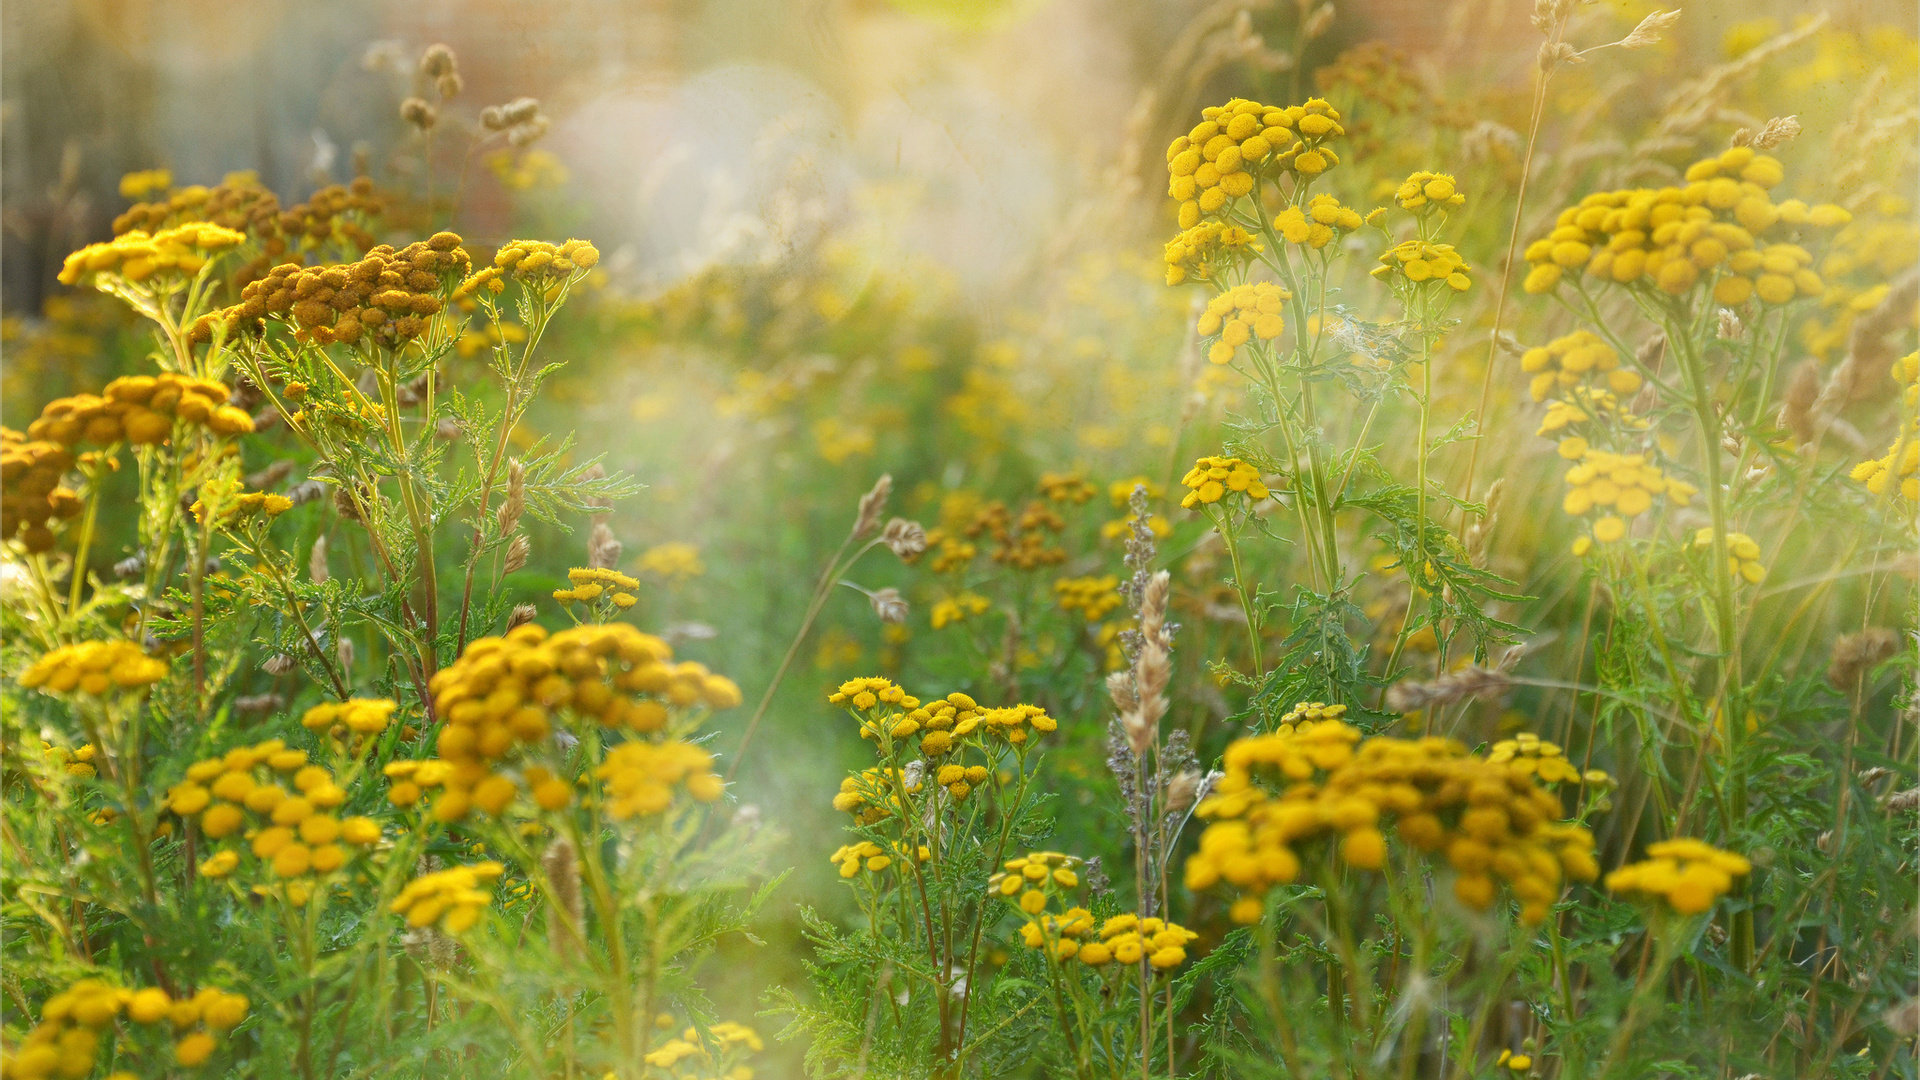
x=870 y=795
x=1596 y=413
x=240 y=202
x=75 y=762
x=1530 y=755
x=224 y=501
x=1573 y=360
x=1901 y=462
x=1128 y=939
x=1070 y=488
x=240 y=794
x=535 y=259
x=94 y=668
x=1031 y=879
x=1217 y=161
x=1015 y=721
x=1092 y=597
x=961 y=780
x=141 y=409
x=870 y=692
x=66 y=1042
x=957 y=608
x=387 y=296
x=672 y=561
x=1418 y=261
x=1020 y=543
x=1428 y=191
x=1241 y=314
x=1721 y=227
x=504 y=690
x=1308 y=712
x=1743 y=555
x=453 y=898
x=1618 y=487
x=136 y=256
x=953 y=717
x=1207 y=252
x=1318 y=223
x=359 y=716
x=592 y=583
x=1212 y=477
x=729 y=1040
x=30 y=490
x=866 y=855
x=1488 y=819
x=1688 y=874
x=640 y=777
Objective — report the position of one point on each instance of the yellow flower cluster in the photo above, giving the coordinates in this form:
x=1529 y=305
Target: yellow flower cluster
x=240 y=794
x=958 y=608
x=361 y=716
x=1487 y=818
x=1207 y=251
x=1428 y=191
x=1529 y=755
x=1127 y=939
x=640 y=776
x=1572 y=360
x=1308 y=712
x=95 y=668
x=1212 y=477
x=870 y=691
x=870 y=796
x=1689 y=874
x=230 y=502
x=673 y=561
x=1743 y=555
x=453 y=898
x=75 y=762
x=1241 y=314
x=1315 y=225
x=1092 y=597
x=387 y=296
x=66 y=1042
x=960 y=780
x=590 y=584
x=1216 y=161
x=503 y=691
x=850 y=859
x=1420 y=261
x=142 y=182
x=1066 y=488
x=1582 y=406
x=1012 y=723
x=1714 y=229
x=1030 y=879
x=728 y=1038
x=30 y=490
x=1878 y=473
x=532 y=260
x=136 y=256
x=142 y=409
x=1620 y=487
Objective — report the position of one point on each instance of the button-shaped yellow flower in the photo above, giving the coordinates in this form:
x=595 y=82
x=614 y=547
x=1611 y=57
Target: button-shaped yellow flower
x=1212 y=478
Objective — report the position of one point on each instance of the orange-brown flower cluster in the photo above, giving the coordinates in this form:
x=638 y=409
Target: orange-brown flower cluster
x=388 y=296
x=1490 y=820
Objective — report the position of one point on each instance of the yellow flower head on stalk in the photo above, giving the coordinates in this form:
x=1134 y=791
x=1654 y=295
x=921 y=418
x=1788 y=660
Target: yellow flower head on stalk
x=1014 y=722
x=1208 y=251
x=1317 y=224
x=1066 y=488
x=870 y=797
x=1211 y=478
x=1242 y=314
x=76 y=762
x=1878 y=474
x=143 y=182
x=1419 y=261
x=1130 y=938
x=1424 y=192
x=1092 y=597
x=135 y=256
x=224 y=502
x=672 y=561
x=504 y=693
x=1688 y=874
x=1217 y=161
x=537 y=261
x=1320 y=783
x=866 y=855
x=961 y=780
x=31 y=493
x=360 y=716
x=1721 y=228
x=1595 y=412
x=869 y=692
x=1618 y=488
x=1743 y=555
x=957 y=608
x=75 y=1021
x=1031 y=880
x=1528 y=754
x=141 y=409
x=1574 y=360
x=1308 y=712
x=592 y=584
x=279 y=803
x=452 y=898
x=96 y=669
x=640 y=776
